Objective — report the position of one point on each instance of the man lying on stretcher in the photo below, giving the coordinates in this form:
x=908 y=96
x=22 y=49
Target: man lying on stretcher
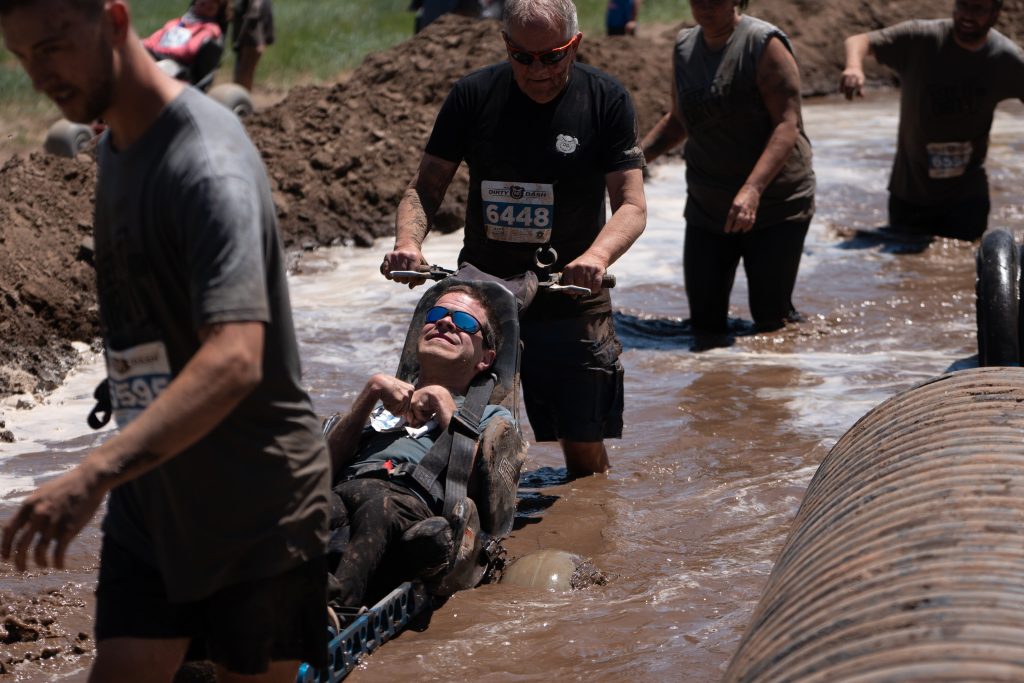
x=390 y=429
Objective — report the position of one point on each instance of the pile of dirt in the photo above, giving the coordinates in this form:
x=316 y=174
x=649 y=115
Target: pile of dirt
x=341 y=156
x=47 y=282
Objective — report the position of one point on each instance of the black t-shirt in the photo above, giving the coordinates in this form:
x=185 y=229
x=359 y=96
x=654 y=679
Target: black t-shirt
x=536 y=171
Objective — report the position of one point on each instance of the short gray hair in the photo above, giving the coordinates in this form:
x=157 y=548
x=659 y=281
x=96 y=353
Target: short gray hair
x=551 y=12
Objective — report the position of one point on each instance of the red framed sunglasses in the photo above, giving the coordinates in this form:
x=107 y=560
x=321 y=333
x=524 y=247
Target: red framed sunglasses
x=547 y=58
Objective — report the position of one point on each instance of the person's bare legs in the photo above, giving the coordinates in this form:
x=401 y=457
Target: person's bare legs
x=583 y=458
x=279 y=672
x=145 y=660
x=246 y=60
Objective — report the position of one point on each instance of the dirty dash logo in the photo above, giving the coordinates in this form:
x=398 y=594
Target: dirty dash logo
x=566 y=144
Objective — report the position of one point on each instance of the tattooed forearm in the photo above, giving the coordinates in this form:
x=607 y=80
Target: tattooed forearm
x=417 y=219
x=127 y=466
x=422 y=199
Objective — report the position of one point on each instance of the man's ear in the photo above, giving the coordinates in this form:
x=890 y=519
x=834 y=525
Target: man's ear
x=120 y=21
x=487 y=360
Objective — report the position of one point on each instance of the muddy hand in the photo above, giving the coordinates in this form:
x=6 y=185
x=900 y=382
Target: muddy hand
x=744 y=210
x=50 y=517
x=404 y=259
x=392 y=392
x=586 y=271
x=851 y=83
x=431 y=401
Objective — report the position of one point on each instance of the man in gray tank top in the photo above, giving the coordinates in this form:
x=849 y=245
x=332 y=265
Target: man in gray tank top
x=953 y=73
x=216 y=524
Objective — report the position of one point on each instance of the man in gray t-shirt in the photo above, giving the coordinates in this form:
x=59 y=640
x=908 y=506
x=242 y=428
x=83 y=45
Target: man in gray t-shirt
x=217 y=521
x=953 y=73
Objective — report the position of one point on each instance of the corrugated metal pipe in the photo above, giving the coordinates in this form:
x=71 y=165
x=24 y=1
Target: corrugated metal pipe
x=906 y=558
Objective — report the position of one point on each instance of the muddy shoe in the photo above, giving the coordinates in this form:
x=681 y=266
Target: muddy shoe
x=428 y=545
x=468 y=562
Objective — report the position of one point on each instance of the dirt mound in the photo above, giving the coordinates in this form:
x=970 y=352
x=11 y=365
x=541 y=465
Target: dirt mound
x=47 y=282
x=341 y=156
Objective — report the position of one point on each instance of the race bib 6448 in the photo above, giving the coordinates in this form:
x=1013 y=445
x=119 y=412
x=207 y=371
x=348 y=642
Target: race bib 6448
x=518 y=212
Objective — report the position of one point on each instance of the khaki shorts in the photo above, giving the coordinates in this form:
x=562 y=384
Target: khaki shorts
x=572 y=378
x=252 y=24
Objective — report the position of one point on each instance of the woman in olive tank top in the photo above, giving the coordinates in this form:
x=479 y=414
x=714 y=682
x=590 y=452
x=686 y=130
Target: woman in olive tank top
x=750 y=185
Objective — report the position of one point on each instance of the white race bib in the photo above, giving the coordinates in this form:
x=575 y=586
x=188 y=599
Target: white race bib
x=137 y=376
x=518 y=212
x=176 y=36
x=948 y=159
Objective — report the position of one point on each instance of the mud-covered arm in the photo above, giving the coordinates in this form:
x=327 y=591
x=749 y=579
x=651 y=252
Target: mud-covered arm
x=667 y=133
x=629 y=218
x=432 y=401
x=778 y=81
x=416 y=214
x=851 y=83
x=225 y=369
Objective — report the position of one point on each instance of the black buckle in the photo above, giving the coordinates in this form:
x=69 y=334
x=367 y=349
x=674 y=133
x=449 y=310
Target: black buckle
x=468 y=425
x=100 y=414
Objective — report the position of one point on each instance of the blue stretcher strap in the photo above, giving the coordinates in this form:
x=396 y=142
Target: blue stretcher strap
x=378 y=625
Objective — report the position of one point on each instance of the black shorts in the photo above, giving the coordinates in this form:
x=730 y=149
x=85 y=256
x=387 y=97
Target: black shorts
x=572 y=378
x=965 y=219
x=243 y=627
x=252 y=24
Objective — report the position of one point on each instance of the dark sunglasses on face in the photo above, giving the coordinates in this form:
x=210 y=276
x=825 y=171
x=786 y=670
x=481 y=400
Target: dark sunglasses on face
x=547 y=58
x=462 y=320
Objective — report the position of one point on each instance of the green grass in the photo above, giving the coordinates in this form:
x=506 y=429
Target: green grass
x=316 y=39
x=591 y=13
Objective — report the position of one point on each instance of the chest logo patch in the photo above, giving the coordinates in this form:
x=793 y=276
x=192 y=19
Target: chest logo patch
x=566 y=144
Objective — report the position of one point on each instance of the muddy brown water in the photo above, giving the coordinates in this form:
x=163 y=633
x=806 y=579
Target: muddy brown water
x=718 y=449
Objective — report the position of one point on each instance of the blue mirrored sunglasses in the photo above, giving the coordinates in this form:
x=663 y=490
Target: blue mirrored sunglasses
x=462 y=320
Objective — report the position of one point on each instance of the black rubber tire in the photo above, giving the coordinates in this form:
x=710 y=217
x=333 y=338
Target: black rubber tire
x=67 y=139
x=1020 y=308
x=998 y=300
x=234 y=97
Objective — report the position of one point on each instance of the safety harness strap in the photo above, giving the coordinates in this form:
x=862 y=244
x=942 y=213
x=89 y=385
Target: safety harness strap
x=445 y=470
